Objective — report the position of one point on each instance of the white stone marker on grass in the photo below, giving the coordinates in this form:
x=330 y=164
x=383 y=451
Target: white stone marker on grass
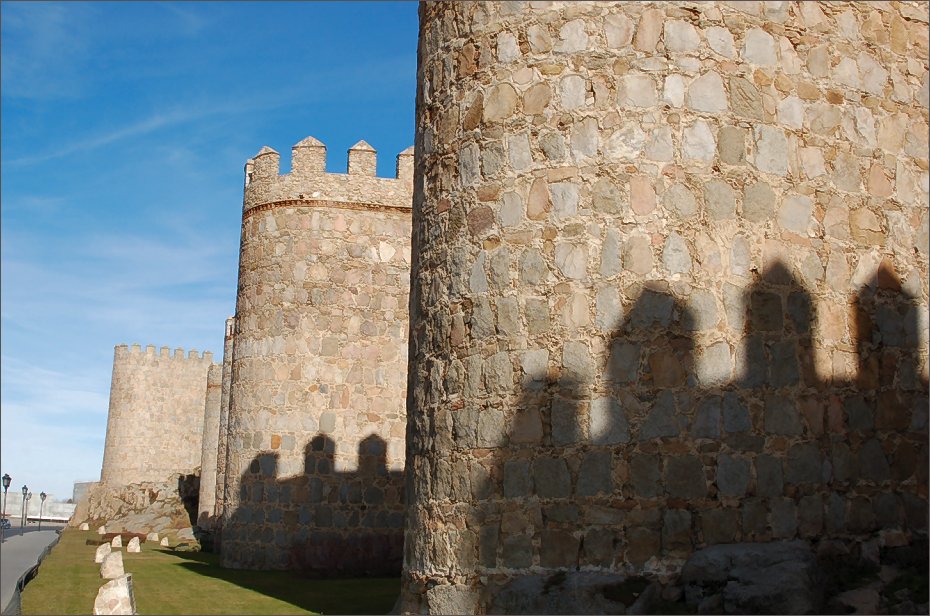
x=134 y=545
x=102 y=530
x=117 y=541
x=164 y=541
x=85 y=526
x=116 y=597
x=112 y=566
x=102 y=550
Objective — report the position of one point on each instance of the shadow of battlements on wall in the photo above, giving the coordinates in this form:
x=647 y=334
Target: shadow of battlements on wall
x=631 y=466
x=323 y=522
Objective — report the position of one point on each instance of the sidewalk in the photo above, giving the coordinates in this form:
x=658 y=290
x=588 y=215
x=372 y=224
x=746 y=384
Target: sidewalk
x=19 y=553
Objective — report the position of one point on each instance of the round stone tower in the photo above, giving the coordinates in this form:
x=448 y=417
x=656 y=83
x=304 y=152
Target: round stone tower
x=669 y=290
x=315 y=428
x=155 y=420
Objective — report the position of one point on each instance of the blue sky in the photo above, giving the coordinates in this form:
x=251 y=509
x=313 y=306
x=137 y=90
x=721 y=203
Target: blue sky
x=125 y=128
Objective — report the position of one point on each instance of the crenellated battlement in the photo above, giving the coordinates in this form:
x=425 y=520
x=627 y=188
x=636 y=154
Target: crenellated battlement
x=308 y=179
x=125 y=350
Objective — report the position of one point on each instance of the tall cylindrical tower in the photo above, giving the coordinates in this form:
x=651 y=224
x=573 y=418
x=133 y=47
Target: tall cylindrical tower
x=223 y=434
x=315 y=435
x=155 y=420
x=639 y=232
x=211 y=431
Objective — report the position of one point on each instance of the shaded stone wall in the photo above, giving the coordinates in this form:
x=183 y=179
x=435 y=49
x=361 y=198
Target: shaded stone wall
x=221 y=455
x=155 y=420
x=669 y=287
x=320 y=350
x=210 y=448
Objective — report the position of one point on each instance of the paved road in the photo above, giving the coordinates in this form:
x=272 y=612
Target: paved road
x=19 y=552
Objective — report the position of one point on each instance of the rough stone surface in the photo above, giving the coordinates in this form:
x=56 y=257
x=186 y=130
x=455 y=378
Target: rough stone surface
x=155 y=421
x=210 y=448
x=116 y=597
x=752 y=578
x=164 y=506
x=112 y=566
x=316 y=420
x=102 y=550
x=739 y=196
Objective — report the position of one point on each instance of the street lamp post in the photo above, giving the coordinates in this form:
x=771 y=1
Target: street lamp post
x=22 y=517
x=43 y=496
x=7 y=480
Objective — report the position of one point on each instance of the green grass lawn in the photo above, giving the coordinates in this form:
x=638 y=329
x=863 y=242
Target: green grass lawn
x=166 y=582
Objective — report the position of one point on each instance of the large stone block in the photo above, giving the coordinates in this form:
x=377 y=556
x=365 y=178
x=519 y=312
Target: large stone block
x=772 y=578
x=112 y=565
x=100 y=553
x=116 y=597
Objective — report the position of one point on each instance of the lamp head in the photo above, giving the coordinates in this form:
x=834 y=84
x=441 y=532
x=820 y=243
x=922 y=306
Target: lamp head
x=7 y=480
x=43 y=495
x=25 y=491
x=29 y=496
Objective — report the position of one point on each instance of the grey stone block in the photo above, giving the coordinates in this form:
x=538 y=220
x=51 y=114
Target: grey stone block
x=735 y=414
x=676 y=529
x=594 y=474
x=845 y=467
x=551 y=477
x=719 y=525
x=623 y=362
x=810 y=515
x=770 y=578
x=769 y=476
x=558 y=548
x=784 y=518
x=517 y=479
x=733 y=475
x=783 y=369
x=598 y=547
x=645 y=474
x=684 y=477
x=804 y=464
x=781 y=416
x=707 y=418
x=517 y=551
x=873 y=465
x=754 y=514
x=662 y=420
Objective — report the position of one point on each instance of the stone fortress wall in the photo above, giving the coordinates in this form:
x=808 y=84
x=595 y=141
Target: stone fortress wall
x=156 y=413
x=669 y=288
x=219 y=501
x=316 y=419
x=210 y=427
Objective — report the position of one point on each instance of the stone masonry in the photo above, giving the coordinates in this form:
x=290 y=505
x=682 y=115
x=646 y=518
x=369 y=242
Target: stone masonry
x=155 y=421
x=210 y=447
x=669 y=287
x=221 y=454
x=316 y=421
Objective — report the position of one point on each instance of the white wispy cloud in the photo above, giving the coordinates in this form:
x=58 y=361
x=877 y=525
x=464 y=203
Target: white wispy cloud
x=138 y=128
x=44 y=51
